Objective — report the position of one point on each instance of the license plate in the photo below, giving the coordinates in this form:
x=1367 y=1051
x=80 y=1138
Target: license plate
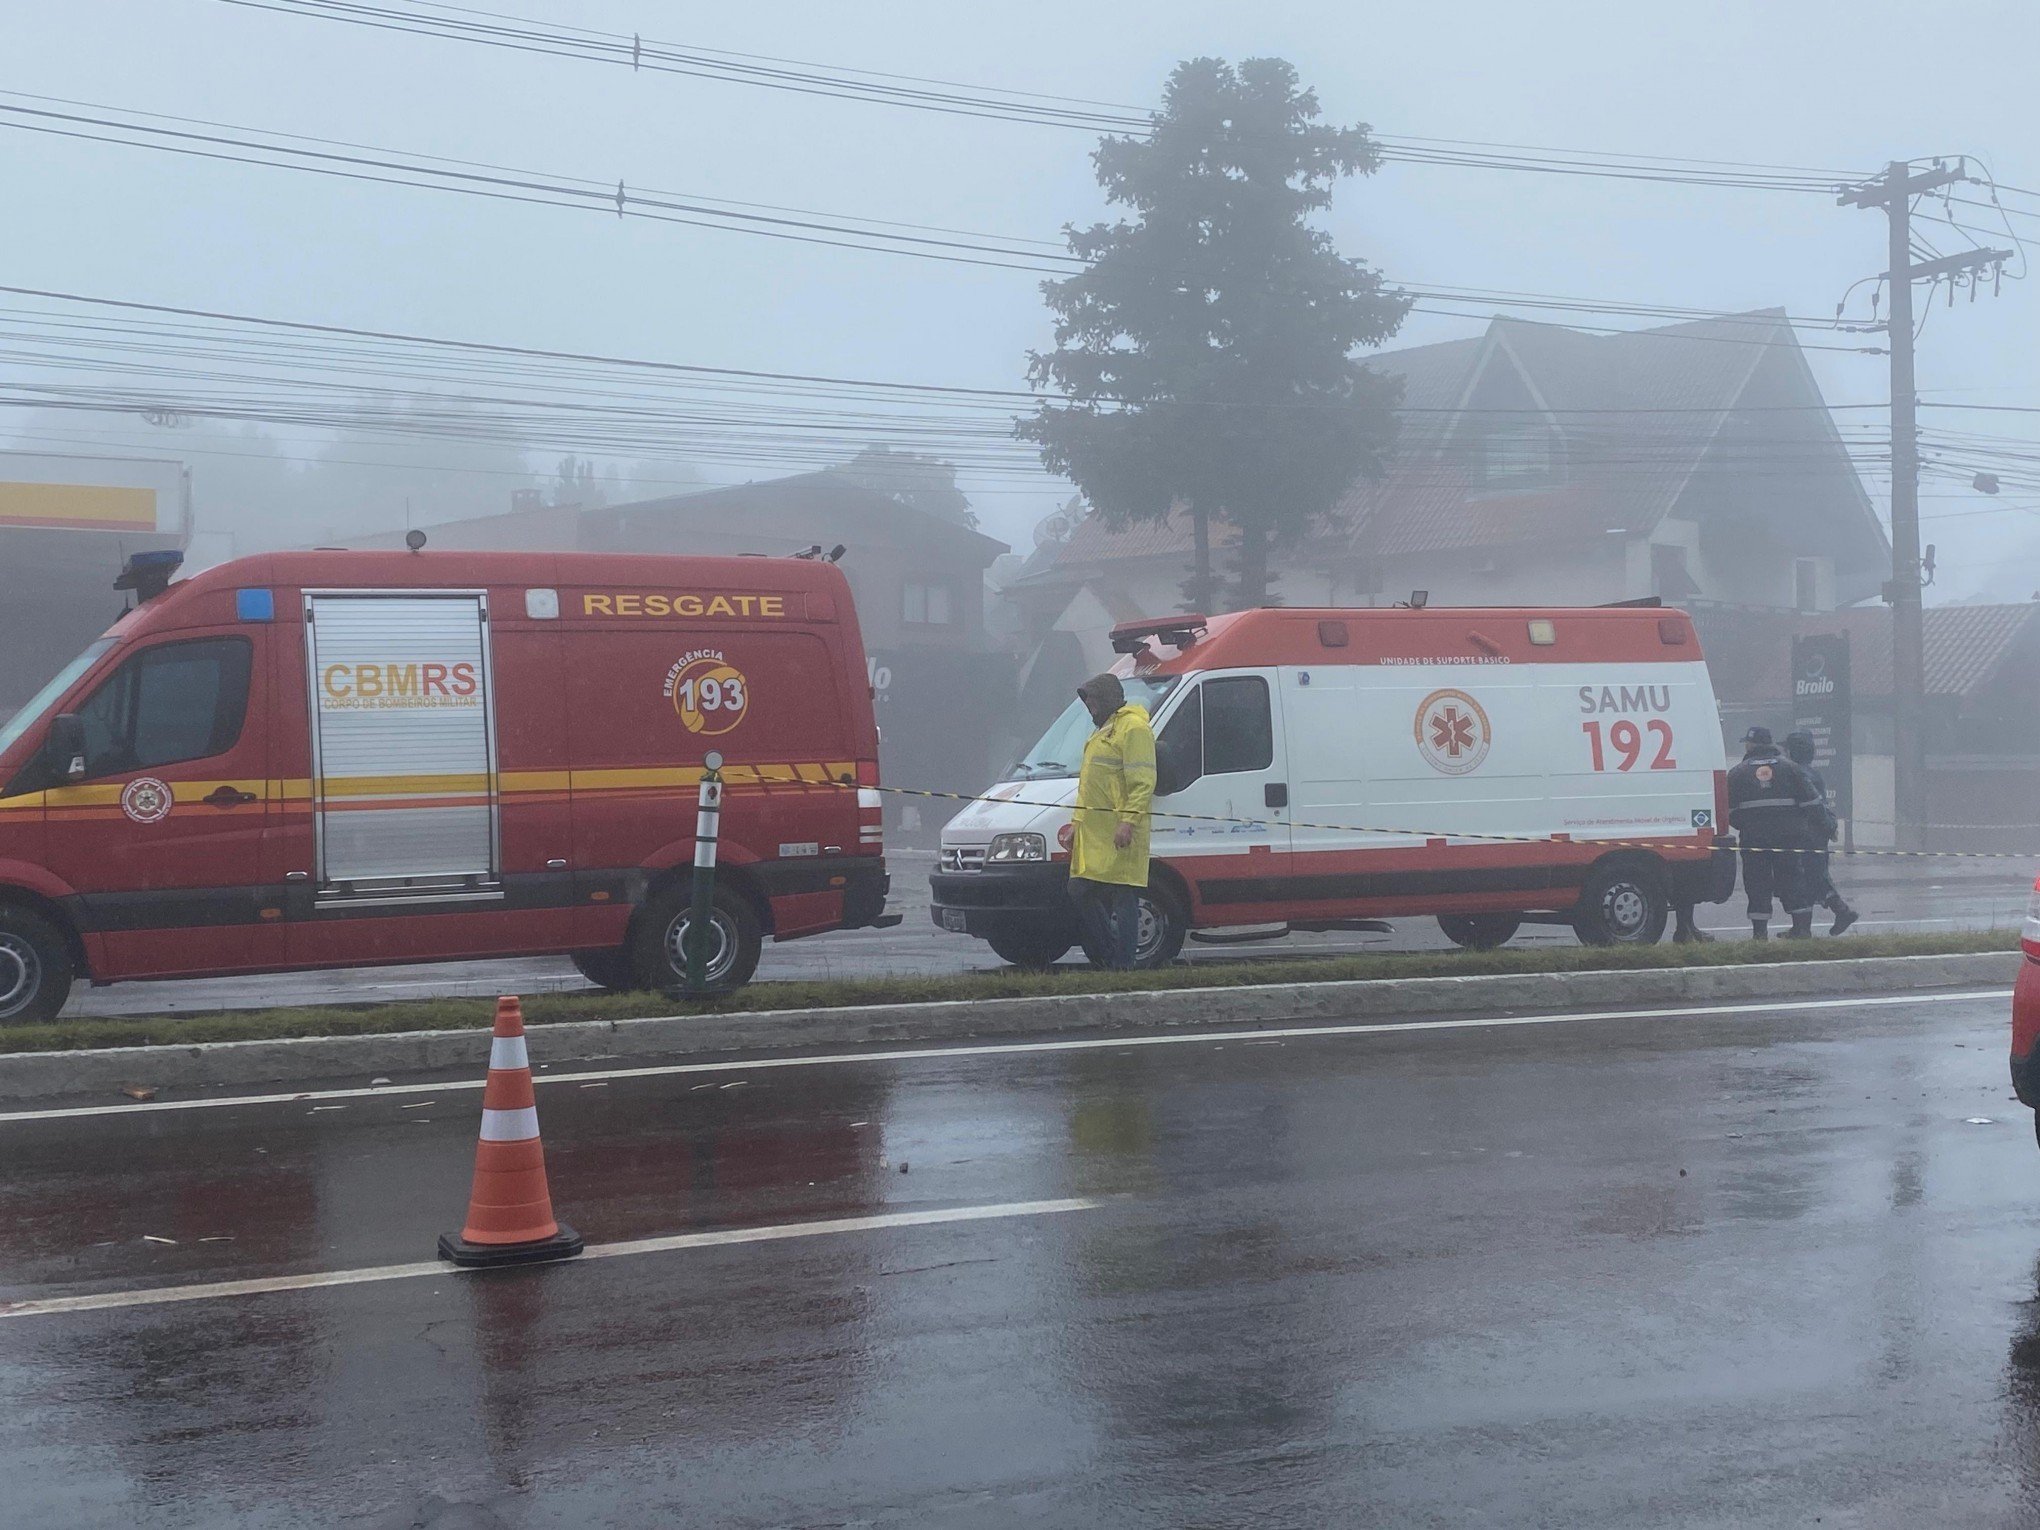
x=953 y=919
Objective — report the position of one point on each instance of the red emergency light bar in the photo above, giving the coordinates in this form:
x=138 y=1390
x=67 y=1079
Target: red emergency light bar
x=1176 y=631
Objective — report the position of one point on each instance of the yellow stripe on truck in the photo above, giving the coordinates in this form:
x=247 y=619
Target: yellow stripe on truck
x=510 y=784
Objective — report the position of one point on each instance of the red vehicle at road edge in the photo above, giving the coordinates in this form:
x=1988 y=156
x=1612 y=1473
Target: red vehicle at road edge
x=334 y=758
x=2026 y=1014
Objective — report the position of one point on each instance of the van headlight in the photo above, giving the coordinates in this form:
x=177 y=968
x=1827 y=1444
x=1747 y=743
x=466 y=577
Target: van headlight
x=1008 y=848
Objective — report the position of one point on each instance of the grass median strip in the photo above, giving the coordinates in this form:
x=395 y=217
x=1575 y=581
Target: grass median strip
x=543 y=1009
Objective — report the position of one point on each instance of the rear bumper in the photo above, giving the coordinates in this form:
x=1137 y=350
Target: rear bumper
x=861 y=879
x=1708 y=881
x=1003 y=898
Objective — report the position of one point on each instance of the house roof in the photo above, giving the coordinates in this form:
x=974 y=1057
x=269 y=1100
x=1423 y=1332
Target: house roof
x=1749 y=653
x=818 y=495
x=1639 y=410
x=1653 y=399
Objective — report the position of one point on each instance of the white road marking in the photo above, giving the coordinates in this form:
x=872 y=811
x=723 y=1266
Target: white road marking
x=158 y=1296
x=1023 y=1048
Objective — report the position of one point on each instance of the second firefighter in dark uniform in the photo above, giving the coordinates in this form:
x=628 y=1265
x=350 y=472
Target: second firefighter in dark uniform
x=1800 y=750
x=1774 y=810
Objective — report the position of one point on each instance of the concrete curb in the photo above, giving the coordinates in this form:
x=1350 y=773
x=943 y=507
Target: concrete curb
x=359 y=1058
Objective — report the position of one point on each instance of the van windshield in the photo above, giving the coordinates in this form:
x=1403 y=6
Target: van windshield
x=1061 y=748
x=36 y=705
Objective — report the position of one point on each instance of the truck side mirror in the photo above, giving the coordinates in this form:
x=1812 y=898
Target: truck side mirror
x=64 y=749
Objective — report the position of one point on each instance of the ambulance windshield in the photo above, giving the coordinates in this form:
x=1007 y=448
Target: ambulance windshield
x=12 y=728
x=1061 y=748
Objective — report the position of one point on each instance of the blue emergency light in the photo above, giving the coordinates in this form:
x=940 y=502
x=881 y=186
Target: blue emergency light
x=149 y=573
x=255 y=605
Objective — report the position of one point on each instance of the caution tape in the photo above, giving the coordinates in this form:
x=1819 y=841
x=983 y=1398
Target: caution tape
x=1507 y=839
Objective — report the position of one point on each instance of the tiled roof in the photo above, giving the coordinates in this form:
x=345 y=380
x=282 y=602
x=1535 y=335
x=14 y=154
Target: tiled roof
x=1750 y=652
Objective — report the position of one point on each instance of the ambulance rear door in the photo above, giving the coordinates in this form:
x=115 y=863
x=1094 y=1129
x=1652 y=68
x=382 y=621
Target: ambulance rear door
x=404 y=778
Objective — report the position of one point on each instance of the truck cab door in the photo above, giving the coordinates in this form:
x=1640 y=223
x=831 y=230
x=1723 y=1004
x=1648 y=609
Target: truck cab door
x=1222 y=797
x=160 y=838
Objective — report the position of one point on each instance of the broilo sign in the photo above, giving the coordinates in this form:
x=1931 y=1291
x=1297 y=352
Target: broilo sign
x=1821 y=706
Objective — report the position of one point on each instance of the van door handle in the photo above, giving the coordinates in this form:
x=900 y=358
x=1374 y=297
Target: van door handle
x=227 y=796
x=1276 y=794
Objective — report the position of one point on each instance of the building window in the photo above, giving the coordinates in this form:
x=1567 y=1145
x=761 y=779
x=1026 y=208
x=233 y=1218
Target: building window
x=927 y=605
x=1518 y=455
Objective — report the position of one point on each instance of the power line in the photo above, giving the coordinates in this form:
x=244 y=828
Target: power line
x=642 y=55
x=354 y=161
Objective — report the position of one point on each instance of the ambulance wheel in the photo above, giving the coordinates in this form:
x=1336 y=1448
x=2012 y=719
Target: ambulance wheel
x=1162 y=930
x=1624 y=903
x=658 y=951
x=1479 y=932
x=610 y=970
x=35 y=968
x=1029 y=948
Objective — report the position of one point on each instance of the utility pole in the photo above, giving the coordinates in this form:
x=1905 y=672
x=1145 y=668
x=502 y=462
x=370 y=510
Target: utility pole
x=1894 y=192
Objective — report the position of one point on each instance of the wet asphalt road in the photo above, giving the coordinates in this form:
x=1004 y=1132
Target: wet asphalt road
x=1894 y=896
x=1729 y=1268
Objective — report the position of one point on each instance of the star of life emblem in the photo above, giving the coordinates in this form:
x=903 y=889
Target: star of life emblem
x=1452 y=732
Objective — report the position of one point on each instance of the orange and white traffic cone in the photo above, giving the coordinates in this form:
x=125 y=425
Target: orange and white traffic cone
x=510 y=1217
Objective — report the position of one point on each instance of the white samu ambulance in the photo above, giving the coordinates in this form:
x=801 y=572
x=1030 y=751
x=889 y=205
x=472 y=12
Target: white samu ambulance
x=1323 y=769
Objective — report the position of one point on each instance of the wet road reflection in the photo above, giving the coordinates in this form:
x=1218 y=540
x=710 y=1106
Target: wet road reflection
x=1753 y=1270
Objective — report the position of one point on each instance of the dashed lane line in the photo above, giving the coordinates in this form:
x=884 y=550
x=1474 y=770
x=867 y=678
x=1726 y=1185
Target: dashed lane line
x=1014 y=1049
x=158 y=1296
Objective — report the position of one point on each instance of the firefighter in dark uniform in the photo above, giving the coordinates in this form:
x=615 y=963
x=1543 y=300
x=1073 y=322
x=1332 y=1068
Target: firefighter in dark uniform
x=1772 y=806
x=1799 y=749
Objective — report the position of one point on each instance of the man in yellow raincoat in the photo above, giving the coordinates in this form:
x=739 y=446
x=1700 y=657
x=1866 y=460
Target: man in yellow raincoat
x=1115 y=791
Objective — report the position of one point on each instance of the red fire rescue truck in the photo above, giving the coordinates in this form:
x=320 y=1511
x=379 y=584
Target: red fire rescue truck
x=1324 y=769
x=346 y=758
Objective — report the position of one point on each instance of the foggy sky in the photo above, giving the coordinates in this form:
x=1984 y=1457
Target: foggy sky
x=1824 y=84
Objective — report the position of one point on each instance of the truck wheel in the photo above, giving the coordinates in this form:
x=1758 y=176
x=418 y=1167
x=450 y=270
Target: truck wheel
x=659 y=957
x=1624 y=903
x=1479 y=932
x=1162 y=929
x=607 y=970
x=35 y=968
x=1029 y=948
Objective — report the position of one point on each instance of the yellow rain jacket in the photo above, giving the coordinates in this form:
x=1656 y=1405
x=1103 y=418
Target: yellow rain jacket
x=1115 y=785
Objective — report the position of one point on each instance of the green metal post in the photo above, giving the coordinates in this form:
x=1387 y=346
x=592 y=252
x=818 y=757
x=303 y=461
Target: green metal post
x=707 y=829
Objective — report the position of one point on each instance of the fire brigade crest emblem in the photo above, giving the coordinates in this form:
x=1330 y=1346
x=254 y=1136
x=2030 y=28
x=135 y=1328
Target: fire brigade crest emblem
x=146 y=800
x=1452 y=732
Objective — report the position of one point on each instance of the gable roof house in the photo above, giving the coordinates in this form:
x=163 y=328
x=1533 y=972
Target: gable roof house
x=1537 y=464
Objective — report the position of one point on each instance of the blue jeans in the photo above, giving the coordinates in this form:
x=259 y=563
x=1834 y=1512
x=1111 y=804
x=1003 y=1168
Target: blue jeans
x=1109 y=913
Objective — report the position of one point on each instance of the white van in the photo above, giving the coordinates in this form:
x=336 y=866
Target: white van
x=1326 y=769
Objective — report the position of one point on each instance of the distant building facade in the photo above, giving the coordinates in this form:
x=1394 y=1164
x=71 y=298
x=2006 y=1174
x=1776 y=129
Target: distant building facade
x=1983 y=710
x=67 y=524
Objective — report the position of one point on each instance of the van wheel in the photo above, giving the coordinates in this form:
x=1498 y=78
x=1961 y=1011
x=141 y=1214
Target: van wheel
x=607 y=970
x=1032 y=948
x=1163 y=927
x=35 y=968
x=659 y=956
x=1624 y=903
x=1479 y=932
